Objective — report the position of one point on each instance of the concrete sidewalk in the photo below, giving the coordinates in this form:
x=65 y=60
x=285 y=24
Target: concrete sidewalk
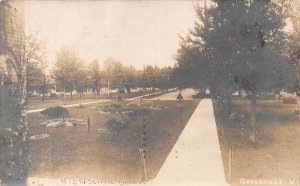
x=100 y=101
x=196 y=157
x=67 y=106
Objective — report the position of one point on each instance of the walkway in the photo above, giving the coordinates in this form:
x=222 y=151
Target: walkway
x=196 y=157
x=92 y=102
x=67 y=106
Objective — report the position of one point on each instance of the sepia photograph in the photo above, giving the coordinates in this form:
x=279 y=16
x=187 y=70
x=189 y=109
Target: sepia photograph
x=149 y=92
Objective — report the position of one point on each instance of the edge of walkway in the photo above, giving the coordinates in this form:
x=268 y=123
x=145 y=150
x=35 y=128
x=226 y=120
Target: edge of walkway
x=196 y=157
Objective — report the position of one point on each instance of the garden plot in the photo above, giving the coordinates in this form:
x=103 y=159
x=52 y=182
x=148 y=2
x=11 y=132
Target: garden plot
x=130 y=109
x=78 y=152
x=112 y=109
x=38 y=137
x=63 y=123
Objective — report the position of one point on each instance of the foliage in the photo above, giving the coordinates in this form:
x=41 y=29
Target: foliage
x=55 y=112
x=237 y=119
x=294 y=48
x=69 y=71
x=36 y=67
x=116 y=125
x=94 y=75
x=236 y=45
x=289 y=100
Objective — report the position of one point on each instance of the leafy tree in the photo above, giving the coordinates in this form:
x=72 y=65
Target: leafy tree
x=117 y=75
x=94 y=76
x=81 y=78
x=116 y=124
x=164 y=76
x=294 y=50
x=36 y=67
x=67 y=71
x=238 y=45
x=131 y=78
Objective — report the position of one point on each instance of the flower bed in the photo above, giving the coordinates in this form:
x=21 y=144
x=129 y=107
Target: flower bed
x=62 y=123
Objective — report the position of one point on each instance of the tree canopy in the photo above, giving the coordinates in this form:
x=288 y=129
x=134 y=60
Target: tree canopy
x=237 y=45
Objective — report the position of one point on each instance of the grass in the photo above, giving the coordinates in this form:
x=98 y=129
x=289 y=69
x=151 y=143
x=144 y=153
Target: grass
x=73 y=153
x=277 y=155
x=38 y=103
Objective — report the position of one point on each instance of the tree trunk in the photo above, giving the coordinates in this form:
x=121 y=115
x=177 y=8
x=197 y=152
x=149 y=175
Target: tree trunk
x=44 y=88
x=80 y=97
x=14 y=159
x=228 y=105
x=71 y=93
x=252 y=137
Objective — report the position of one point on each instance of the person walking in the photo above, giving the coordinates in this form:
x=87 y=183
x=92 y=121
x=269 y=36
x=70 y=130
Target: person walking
x=179 y=98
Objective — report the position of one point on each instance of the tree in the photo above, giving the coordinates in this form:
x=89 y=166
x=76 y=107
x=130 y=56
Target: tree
x=94 y=77
x=164 y=76
x=116 y=75
x=14 y=158
x=238 y=45
x=116 y=124
x=66 y=69
x=294 y=50
x=80 y=80
x=36 y=67
x=130 y=78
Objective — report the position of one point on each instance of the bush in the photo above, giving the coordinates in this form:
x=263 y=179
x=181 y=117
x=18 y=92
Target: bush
x=53 y=95
x=110 y=109
x=289 y=100
x=116 y=125
x=55 y=112
x=140 y=113
x=237 y=120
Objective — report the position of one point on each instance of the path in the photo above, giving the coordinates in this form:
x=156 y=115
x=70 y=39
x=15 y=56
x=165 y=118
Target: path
x=186 y=94
x=196 y=157
x=67 y=106
x=131 y=99
x=84 y=102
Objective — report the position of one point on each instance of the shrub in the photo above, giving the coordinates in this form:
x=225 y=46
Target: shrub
x=116 y=125
x=140 y=113
x=55 y=112
x=289 y=100
x=237 y=120
x=53 y=95
x=110 y=109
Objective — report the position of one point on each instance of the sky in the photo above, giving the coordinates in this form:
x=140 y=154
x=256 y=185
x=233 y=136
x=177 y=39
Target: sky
x=136 y=33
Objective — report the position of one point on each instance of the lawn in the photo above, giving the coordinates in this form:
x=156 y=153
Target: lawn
x=277 y=154
x=73 y=153
x=37 y=103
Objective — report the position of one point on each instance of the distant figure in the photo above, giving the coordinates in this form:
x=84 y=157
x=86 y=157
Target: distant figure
x=179 y=98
